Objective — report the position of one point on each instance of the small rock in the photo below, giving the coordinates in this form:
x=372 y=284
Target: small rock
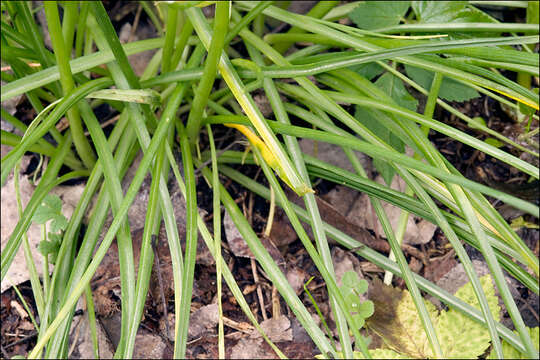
x=296 y=277
x=277 y=329
x=148 y=346
x=236 y=242
x=10 y=106
x=202 y=321
x=249 y=348
x=84 y=348
x=125 y=31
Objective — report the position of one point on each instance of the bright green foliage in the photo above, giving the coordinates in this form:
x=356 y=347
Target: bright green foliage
x=477 y=120
x=51 y=209
x=520 y=222
x=511 y=352
x=451 y=90
x=450 y=12
x=368 y=70
x=445 y=12
x=352 y=288
x=379 y=14
x=459 y=336
x=494 y=142
x=51 y=246
x=526 y=110
x=384 y=354
x=533 y=13
x=395 y=88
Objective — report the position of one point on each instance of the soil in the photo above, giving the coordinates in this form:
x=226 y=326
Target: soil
x=432 y=259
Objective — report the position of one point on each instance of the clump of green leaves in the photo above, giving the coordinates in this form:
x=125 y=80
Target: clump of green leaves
x=352 y=289
x=50 y=209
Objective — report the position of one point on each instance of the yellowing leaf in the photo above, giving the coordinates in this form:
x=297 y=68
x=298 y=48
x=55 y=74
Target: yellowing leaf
x=270 y=159
x=386 y=354
x=510 y=352
x=396 y=321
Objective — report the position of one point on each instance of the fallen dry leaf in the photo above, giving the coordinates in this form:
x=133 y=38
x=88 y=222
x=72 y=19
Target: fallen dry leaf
x=418 y=231
x=296 y=277
x=203 y=321
x=17 y=272
x=239 y=246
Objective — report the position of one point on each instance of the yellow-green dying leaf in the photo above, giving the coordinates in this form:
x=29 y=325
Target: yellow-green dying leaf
x=459 y=336
x=510 y=352
x=269 y=158
x=142 y=96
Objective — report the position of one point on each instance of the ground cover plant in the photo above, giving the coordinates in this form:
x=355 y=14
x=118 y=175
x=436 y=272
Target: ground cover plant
x=219 y=118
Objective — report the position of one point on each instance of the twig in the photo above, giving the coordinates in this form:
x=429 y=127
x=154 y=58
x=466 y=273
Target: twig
x=135 y=23
x=160 y=282
x=76 y=337
x=249 y=217
x=5 y=353
x=243 y=327
x=276 y=306
x=27 y=337
x=259 y=290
